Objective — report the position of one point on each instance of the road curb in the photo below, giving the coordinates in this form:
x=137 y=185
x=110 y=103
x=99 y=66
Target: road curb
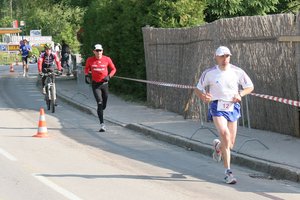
x=276 y=170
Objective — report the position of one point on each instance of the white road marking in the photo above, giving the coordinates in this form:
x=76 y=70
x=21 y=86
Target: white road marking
x=55 y=187
x=8 y=155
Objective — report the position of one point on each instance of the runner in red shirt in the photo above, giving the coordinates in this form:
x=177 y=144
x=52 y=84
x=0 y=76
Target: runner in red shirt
x=101 y=69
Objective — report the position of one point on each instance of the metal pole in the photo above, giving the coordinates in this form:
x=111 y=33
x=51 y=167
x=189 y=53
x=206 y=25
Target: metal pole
x=11 y=10
x=202 y=123
x=247 y=111
x=22 y=25
x=242 y=111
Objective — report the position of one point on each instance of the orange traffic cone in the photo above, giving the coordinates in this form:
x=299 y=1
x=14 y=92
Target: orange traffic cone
x=42 y=129
x=11 y=69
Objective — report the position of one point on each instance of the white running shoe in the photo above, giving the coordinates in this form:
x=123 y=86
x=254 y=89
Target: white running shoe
x=102 y=128
x=44 y=90
x=229 y=179
x=217 y=154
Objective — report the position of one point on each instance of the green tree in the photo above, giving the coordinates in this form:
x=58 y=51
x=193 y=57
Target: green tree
x=58 y=21
x=288 y=6
x=5 y=22
x=79 y=3
x=217 y=9
x=119 y=30
x=5 y=9
x=55 y=18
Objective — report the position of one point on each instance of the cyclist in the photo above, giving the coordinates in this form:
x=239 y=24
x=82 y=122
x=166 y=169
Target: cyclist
x=45 y=63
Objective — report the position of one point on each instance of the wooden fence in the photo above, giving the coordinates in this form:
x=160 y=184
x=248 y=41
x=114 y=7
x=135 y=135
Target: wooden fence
x=181 y=55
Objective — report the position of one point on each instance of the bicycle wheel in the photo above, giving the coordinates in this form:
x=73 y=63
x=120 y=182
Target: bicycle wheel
x=52 y=94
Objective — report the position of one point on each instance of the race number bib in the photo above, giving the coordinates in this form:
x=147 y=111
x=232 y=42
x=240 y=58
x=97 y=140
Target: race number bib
x=225 y=106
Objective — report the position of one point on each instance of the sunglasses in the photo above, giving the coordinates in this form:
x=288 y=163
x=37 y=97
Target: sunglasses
x=98 y=50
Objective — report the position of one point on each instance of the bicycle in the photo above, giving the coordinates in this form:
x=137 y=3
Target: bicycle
x=50 y=96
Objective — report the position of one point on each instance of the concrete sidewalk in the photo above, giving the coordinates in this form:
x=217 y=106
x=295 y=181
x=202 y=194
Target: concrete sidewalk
x=268 y=152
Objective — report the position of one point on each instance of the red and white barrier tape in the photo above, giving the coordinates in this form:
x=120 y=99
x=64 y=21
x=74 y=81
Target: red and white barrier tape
x=158 y=83
x=277 y=99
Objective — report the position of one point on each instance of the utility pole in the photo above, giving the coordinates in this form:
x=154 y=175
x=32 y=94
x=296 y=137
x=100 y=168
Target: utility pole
x=11 y=9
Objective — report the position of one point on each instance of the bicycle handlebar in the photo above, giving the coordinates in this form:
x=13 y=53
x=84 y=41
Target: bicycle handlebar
x=56 y=73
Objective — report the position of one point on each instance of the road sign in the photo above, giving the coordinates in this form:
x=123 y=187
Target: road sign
x=13 y=47
x=3 y=47
x=35 y=33
x=22 y=23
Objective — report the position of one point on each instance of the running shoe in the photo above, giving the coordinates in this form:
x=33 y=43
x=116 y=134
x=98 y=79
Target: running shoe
x=229 y=179
x=102 y=127
x=217 y=154
x=44 y=90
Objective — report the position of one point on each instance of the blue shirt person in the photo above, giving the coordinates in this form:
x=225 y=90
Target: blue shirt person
x=25 y=48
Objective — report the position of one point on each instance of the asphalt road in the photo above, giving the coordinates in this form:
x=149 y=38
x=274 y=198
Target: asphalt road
x=78 y=162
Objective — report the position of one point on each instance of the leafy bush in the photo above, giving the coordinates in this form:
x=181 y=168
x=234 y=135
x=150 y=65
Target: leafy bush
x=8 y=58
x=35 y=51
x=119 y=30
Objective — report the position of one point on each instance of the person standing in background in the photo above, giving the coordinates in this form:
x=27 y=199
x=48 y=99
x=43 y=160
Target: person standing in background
x=65 y=56
x=219 y=86
x=101 y=68
x=57 y=48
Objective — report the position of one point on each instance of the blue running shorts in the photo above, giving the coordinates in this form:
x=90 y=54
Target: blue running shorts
x=229 y=116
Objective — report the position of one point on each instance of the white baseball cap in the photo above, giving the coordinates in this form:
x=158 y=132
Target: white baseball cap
x=222 y=50
x=98 y=47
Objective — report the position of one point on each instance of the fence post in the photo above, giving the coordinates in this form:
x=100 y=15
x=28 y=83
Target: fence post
x=202 y=111
x=247 y=111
